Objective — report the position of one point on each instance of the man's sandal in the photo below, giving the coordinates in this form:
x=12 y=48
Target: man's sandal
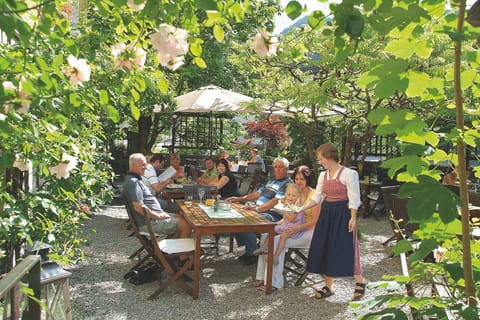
x=325 y=292
x=359 y=291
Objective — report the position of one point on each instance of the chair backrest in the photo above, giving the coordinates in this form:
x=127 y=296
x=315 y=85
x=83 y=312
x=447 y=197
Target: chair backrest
x=252 y=167
x=192 y=191
x=131 y=213
x=400 y=214
x=242 y=169
x=387 y=201
x=191 y=171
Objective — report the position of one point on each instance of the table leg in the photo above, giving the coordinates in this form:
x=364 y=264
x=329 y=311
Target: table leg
x=268 y=284
x=196 y=266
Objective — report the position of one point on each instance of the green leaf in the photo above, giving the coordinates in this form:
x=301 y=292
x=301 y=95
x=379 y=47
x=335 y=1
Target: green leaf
x=112 y=113
x=135 y=95
x=425 y=248
x=135 y=111
x=207 y=4
x=140 y=84
x=218 y=33
x=199 y=62
x=75 y=99
x=196 y=47
x=316 y=19
x=467 y=77
x=6 y=159
x=293 y=10
x=402 y=246
x=41 y=63
x=103 y=97
x=354 y=26
x=163 y=86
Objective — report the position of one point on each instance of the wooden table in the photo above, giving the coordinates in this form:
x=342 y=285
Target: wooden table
x=202 y=225
x=171 y=195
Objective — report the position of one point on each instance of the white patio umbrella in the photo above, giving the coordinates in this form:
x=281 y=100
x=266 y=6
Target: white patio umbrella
x=212 y=99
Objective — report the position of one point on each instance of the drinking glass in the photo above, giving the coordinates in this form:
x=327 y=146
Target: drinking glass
x=201 y=194
x=189 y=199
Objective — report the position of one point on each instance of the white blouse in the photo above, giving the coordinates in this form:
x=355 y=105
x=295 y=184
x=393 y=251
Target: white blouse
x=349 y=177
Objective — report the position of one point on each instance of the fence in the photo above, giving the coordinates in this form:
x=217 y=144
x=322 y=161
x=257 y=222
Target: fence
x=10 y=293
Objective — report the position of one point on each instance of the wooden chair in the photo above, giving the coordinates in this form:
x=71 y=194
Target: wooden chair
x=386 y=192
x=166 y=253
x=143 y=237
x=296 y=263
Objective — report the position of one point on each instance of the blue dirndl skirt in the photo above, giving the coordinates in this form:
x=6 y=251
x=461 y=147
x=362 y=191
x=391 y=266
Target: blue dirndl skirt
x=332 y=247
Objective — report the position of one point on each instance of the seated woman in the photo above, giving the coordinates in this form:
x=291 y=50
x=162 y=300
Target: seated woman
x=303 y=177
x=175 y=163
x=227 y=183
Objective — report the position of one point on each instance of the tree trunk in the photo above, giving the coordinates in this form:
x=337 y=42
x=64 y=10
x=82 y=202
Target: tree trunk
x=137 y=141
x=462 y=169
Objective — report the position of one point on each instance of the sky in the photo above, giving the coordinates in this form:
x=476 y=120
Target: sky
x=283 y=21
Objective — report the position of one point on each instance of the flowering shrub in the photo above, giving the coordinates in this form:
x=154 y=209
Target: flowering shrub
x=62 y=85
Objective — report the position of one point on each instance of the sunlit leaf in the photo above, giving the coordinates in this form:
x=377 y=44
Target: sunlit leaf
x=293 y=10
x=112 y=113
x=135 y=111
x=199 y=62
x=218 y=33
x=75 y=99
x=103 y=97
x=316 y=19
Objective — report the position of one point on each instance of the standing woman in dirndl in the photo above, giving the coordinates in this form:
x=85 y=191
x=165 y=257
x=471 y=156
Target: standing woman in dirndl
x=334 y=250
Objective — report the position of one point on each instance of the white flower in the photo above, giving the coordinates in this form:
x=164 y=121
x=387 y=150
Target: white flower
x=265 y=44
x=51 y=237
x=20 y=94
x=121 y=59
x=439 y=254
x=78 y=70
x=135 y=6
x=62 y=170
x=171 y=44
x=172 y=63
x=8 y=86
x=140 y=57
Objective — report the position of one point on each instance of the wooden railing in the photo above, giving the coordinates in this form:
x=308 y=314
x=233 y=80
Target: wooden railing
x=28 y=270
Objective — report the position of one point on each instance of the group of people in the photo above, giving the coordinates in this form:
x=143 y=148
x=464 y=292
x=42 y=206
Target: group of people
x=324 y=219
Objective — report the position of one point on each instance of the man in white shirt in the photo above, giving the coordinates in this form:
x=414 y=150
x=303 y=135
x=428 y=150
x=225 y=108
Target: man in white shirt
x=150 y=177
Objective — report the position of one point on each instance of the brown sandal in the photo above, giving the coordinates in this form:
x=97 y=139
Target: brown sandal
x=359 y=291
x=325 y=292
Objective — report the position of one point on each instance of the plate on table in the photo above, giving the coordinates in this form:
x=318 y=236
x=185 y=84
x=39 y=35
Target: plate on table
x=174 y=186
x=285 y=208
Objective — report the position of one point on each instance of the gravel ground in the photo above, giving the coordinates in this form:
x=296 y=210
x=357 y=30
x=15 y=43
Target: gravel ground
x=98 y=290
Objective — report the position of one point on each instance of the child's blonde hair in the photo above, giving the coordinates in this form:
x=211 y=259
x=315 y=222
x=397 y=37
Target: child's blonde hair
x=293 y=187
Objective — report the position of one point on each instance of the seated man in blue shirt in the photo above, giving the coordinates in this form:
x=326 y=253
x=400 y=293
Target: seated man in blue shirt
x=266 y=198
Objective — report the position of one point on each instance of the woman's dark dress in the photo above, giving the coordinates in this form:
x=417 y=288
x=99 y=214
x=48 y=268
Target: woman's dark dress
x=334 y=250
